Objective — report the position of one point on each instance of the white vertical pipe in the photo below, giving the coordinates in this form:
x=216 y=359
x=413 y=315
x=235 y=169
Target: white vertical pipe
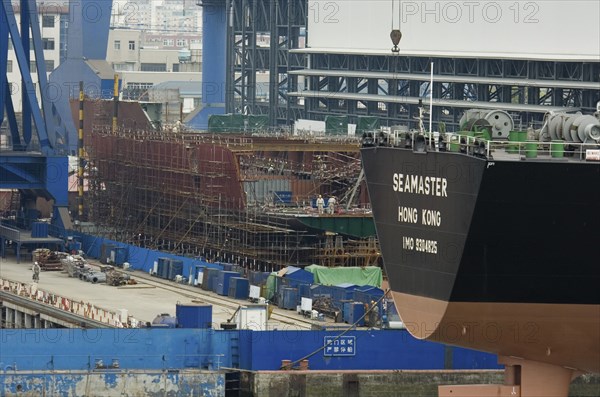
x=431 y=99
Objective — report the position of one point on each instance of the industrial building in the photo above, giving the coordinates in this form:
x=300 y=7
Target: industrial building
x=489 y=56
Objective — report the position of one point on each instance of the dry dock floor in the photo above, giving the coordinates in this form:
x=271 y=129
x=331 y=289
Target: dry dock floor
x=146 y=299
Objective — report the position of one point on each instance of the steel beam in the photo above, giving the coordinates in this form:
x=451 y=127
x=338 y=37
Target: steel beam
x=21 y=48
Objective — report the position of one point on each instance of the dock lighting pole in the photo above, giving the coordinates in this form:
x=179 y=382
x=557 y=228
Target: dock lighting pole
x=80 y=154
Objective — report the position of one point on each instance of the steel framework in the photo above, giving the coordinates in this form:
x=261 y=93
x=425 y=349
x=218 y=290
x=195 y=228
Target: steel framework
x=30 y=160
x=388 y=86
x=282 y=22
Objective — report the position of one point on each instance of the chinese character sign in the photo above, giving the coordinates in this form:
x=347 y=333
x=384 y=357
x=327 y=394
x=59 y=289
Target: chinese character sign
x=341 y=346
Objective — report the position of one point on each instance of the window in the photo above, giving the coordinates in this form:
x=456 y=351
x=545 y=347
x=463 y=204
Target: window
x=168 y=42
x=181 y=42
x=175 y=67
x=117 y=44
x=153 y=67
x=32 y=67
x=139 y=86
x=48 y=44
x=123 y=67
x=131 y=45
x=9 y=66
x=136 y=91
x=10 y=44
x=49 y=65
x=48 y=21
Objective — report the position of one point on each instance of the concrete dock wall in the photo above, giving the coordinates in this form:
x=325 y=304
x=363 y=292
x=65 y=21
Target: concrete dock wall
x=380 y=383
x=117 y=383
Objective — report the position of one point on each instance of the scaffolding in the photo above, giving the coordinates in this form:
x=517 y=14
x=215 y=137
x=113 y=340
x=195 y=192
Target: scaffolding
x=216 y=196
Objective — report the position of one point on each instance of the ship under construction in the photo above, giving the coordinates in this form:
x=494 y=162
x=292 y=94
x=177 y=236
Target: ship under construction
x=241 y=197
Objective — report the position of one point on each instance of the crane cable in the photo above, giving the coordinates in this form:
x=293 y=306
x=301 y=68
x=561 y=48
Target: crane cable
x=395 y=34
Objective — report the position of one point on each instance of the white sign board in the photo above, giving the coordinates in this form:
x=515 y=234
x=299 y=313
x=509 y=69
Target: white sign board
x=253 y=318
x=306 y=304
x=592 y=155
x=254 y=292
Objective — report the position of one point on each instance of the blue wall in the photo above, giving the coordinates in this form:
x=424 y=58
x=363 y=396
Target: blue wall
x=389 y=349
x=137 y=348
x=163 y=349
x=139 y=258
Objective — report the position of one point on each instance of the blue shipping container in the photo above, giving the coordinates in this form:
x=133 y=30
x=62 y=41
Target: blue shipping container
x=105 y=251
x=209 y=279
x=39 y=230
x=258 y=278
x=227 y=266
x=222 y=286
x=289 y=298
x=119 y=255
x=175 y=268
x=193 y=316
x=353 y=311
x=239 y=288
x=163 y=267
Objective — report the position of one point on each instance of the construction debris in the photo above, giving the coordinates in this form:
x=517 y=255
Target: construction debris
x=116 y=278
x=48 y=260
x=74 y=265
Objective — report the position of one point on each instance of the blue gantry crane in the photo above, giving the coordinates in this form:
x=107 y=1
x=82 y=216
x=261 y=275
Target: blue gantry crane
x=36 y=165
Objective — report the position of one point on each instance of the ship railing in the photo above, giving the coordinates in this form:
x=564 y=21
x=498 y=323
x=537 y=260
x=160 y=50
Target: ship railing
x=477 y=145
x=578 y=151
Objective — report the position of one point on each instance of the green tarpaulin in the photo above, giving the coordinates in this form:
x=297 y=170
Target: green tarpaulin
x=271 y=286
x=257 y=122
x=336 y=125
x=367 y=123
x=369 y=275
x=237 y=123
x=226 y=123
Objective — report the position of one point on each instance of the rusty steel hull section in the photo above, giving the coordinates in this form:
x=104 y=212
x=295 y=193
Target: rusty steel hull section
x=200 y=174
x=217 y=195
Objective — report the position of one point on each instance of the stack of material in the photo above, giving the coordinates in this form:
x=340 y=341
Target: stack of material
x=325 y=305
x=74 y=264
x=116 y=278
x=48 y=260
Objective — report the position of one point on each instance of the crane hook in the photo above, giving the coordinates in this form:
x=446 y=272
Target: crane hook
x=395 y=35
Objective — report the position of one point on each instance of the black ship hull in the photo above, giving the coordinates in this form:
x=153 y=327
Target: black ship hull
x=497 y=255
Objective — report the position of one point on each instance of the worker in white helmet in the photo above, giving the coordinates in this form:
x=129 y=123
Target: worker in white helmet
x=320 y=204
x=331 y=204
x=36 y=272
